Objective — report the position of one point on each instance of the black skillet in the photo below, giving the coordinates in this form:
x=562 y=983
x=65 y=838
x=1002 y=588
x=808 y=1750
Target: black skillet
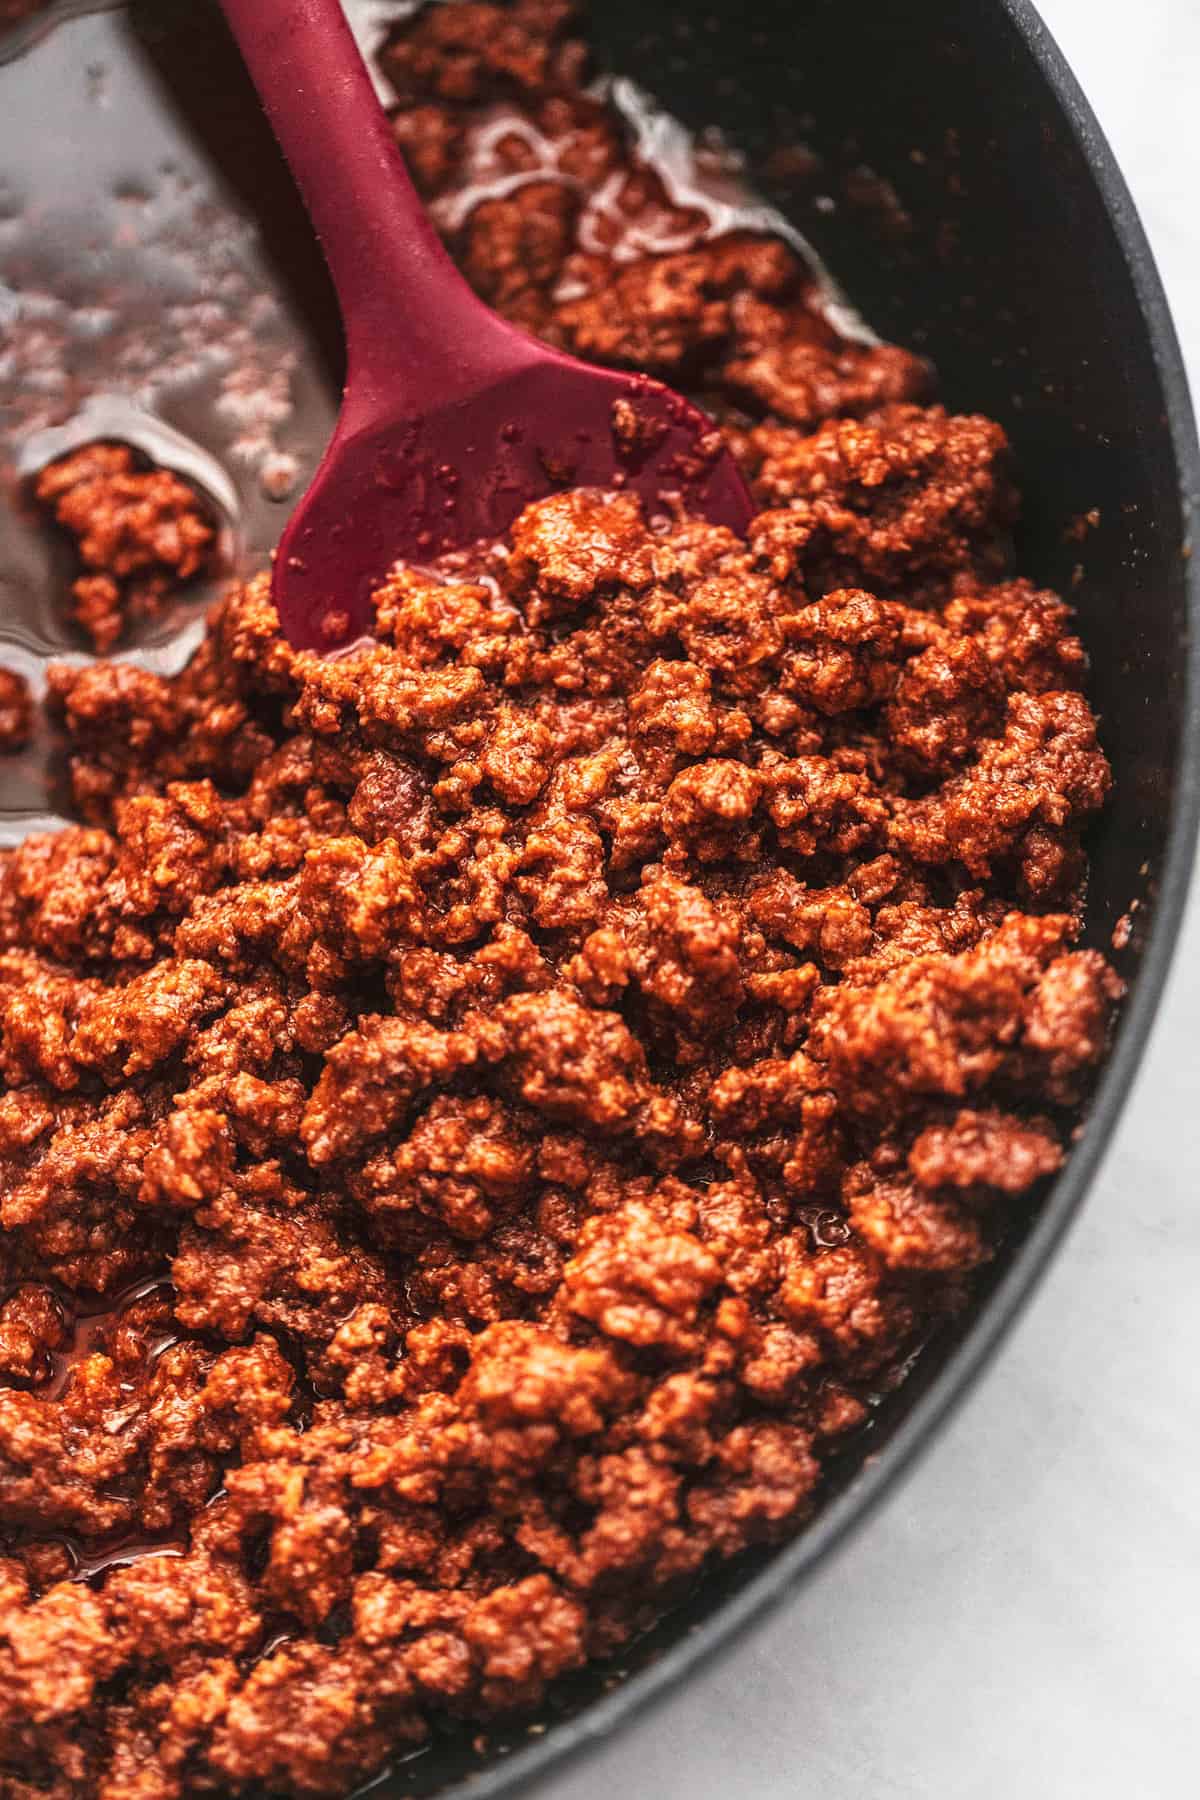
x=942 y=159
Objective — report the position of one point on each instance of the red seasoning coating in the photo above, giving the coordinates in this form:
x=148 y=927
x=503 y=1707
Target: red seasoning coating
x=16 y=711
x=485 y=1116
x=139 y=534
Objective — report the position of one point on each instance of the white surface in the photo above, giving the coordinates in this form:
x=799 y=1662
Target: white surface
x=1020 y=1621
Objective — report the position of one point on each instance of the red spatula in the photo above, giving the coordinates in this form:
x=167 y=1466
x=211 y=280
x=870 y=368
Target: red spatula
x=452 y=420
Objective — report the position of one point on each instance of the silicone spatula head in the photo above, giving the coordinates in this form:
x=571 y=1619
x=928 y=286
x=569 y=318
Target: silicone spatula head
x=452 y=419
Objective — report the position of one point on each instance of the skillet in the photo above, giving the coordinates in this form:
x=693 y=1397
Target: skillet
x=946 y=166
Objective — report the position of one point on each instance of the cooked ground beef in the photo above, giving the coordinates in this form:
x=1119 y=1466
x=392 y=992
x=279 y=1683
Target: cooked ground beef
x=139 y=533
x=484 y=1116
x=16 y=711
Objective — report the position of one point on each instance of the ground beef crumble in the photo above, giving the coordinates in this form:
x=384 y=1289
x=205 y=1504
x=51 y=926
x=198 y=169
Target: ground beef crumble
x=140 y=533
x=16 y=711
x=484 y=1116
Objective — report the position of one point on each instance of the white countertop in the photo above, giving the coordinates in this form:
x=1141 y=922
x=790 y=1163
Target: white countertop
x=1021 y=1618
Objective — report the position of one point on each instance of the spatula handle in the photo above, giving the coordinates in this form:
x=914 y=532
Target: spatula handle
x=413 y=326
